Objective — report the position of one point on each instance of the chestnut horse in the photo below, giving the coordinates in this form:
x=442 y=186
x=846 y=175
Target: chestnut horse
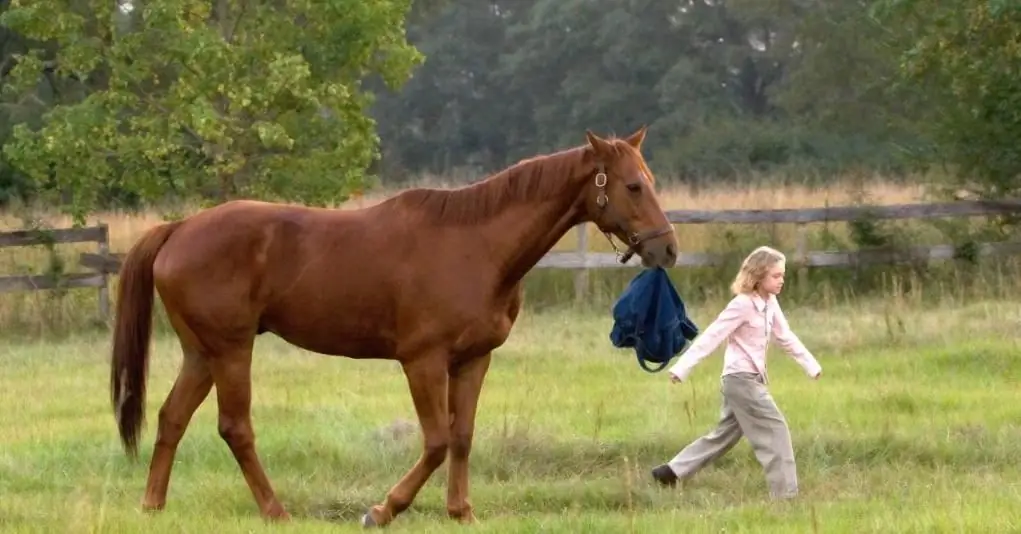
x=429 y=278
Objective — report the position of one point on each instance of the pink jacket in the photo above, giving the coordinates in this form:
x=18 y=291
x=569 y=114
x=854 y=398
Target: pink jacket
x=747 y=323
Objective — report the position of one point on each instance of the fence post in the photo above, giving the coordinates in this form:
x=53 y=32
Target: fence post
x=581 y=275
x=801 y=253
x=104 y=291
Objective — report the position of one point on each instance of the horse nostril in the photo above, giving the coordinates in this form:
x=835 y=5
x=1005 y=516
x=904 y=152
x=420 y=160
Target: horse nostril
x=671 y=254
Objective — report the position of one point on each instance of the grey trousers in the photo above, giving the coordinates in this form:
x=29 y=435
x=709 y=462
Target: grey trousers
x=748 y=410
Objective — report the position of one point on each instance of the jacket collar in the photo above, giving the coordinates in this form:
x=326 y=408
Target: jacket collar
x=759 y=302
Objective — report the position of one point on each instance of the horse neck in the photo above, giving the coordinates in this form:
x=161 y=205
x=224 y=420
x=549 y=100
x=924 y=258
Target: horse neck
x=523 y=232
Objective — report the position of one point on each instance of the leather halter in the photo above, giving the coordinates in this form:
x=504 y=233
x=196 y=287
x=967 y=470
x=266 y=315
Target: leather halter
x=634 y=238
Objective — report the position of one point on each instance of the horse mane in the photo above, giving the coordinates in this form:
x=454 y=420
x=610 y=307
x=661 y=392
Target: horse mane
x=541 y=176
x=538 y=177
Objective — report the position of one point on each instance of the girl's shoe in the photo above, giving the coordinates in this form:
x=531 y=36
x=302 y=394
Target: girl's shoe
x=664 y=475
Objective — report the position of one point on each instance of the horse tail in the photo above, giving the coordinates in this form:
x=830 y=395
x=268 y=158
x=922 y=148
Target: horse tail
x=130 y=359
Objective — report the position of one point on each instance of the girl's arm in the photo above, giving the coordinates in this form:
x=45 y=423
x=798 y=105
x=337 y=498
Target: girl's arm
x=726 y=322
x=792 y=345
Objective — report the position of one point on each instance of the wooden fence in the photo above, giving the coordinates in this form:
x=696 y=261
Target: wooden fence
x=103 y=263
x=98 y=278
x=581 y=260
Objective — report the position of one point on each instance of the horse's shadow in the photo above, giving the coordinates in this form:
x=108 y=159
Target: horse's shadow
x=351 y=510
x=334 y=511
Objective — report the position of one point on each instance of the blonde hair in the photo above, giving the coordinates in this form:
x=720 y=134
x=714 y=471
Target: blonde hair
x=754 y=269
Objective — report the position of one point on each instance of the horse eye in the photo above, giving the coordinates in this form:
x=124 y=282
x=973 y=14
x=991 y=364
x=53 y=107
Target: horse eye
x=634 y=188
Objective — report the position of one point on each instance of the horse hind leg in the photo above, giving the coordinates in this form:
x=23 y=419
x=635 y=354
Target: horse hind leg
x=232 y=371
x=189 y=391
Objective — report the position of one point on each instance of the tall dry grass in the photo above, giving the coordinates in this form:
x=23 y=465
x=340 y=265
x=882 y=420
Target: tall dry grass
x=41 y=312
x=125 y=228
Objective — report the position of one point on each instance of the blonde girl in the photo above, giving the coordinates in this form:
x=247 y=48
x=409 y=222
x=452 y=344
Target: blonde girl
x=748 y=321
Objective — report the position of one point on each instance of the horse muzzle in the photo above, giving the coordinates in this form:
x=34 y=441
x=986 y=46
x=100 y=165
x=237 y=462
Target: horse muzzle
x=651 y=247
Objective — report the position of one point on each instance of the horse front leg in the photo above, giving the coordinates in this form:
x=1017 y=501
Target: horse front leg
x=427 y=379
x=465 y=387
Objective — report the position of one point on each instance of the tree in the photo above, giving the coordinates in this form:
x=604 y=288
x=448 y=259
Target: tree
x=963 y=59
x=228 y=97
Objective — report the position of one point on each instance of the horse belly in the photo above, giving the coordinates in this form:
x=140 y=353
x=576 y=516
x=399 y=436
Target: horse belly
x=336 y=326
x=339 y=344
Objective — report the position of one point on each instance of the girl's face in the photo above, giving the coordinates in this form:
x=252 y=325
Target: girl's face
x=772 y=283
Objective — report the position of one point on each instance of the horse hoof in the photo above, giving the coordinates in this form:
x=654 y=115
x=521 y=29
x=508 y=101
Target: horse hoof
x=152 y=508
x=376 y=517
x=281 y=517
x=275 y=512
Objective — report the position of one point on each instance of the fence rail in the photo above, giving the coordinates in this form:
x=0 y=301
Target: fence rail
x=963 y=208
x=103 y=263
x=606 y=260
x=97 y=279
x=582 y=260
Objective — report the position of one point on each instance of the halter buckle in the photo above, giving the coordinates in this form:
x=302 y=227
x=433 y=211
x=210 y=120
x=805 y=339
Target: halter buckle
x=601 y=199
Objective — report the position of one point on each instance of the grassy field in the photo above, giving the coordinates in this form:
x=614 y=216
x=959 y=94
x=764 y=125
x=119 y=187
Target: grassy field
x=913 y=428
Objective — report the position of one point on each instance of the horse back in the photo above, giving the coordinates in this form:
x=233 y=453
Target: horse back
x=247 y=265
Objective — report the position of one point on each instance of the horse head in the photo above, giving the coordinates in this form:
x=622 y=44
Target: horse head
x=624 y=201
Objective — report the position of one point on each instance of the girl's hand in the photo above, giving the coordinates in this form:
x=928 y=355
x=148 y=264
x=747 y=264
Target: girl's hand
x=817 y=375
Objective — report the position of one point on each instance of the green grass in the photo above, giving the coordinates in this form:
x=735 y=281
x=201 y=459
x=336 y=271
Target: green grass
x=913 y=428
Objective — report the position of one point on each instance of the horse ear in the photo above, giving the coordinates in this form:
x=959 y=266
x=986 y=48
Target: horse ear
x=636 y=138
x=597 y=143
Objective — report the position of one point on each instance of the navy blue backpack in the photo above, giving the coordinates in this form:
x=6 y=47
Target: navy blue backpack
x=650 y=317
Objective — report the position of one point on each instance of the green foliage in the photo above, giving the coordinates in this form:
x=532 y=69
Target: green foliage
x=726 y=87
x=224 y=97
x=726 y=149
x=964 y=58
